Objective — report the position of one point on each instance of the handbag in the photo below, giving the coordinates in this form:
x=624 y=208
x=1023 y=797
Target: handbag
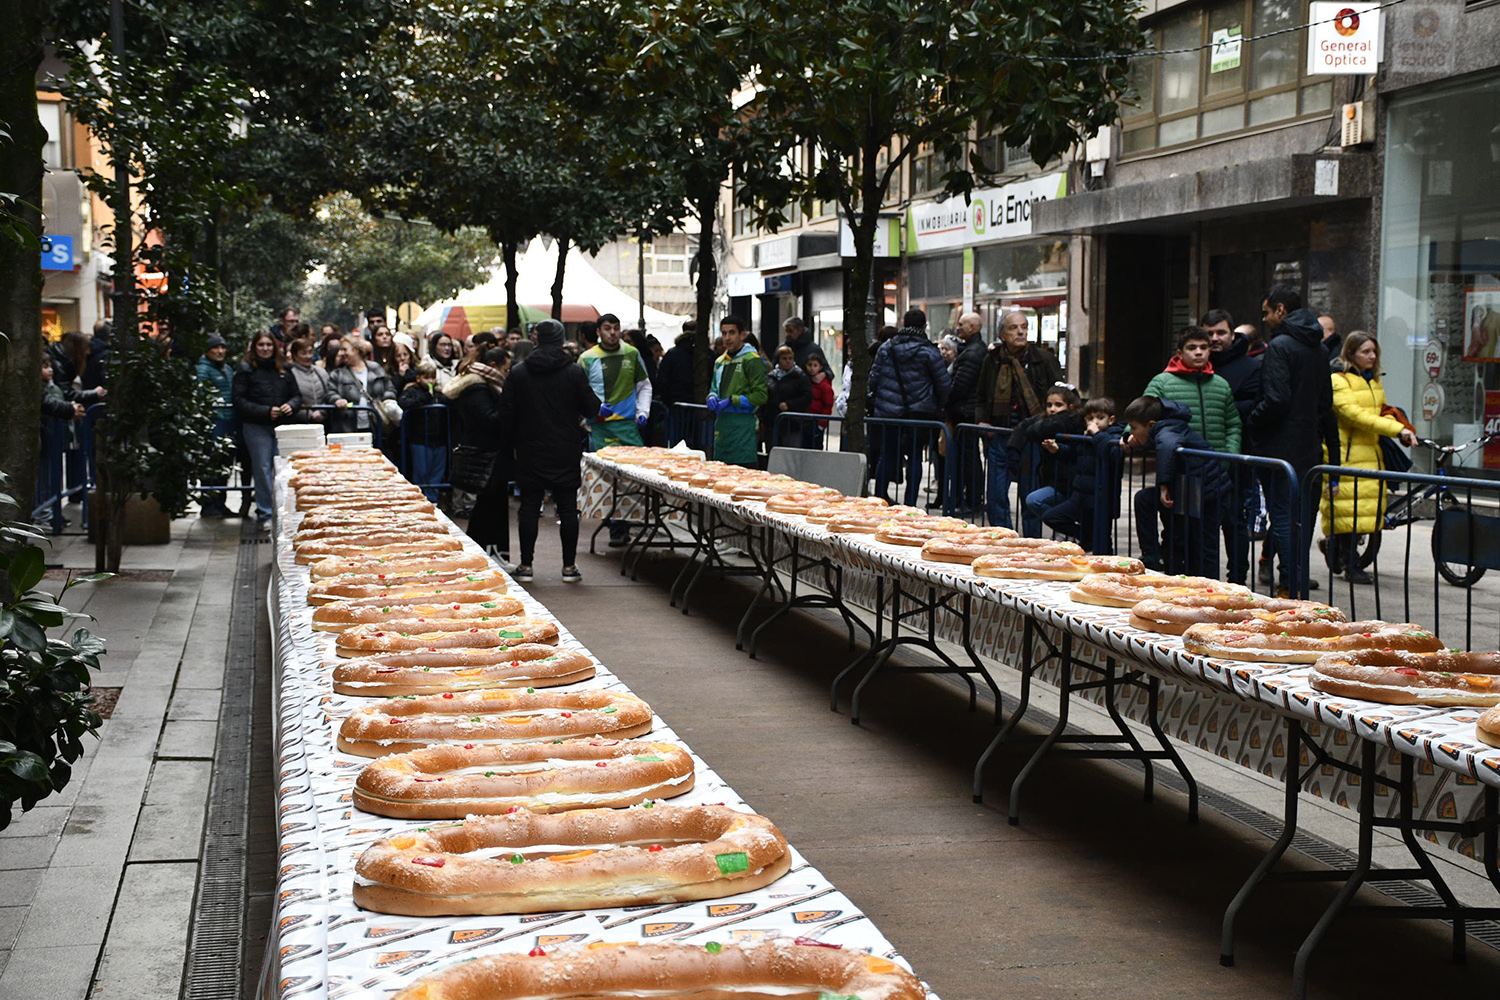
x=1393 y=458
x=472 y=467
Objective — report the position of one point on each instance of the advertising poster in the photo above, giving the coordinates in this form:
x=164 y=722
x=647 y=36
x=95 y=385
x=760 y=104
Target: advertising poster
x=1482 y=324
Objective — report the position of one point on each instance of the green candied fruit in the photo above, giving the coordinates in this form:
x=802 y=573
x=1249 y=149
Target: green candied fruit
x=735 y=861
x=489 y=774
x=648 y=759
x=516 y=859
x=385 y=611
x=475 y=718
x=531 y=690
x=488 y=604
x=609 y=710
x=713 y=947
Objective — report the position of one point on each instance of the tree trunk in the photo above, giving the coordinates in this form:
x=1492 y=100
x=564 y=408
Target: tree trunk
x=20 y=264
x=557 y=279
x=707 y=206
x=512 y=309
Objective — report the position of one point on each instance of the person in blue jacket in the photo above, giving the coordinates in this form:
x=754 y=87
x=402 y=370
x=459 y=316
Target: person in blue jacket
x=909 y=380
x=215 y=370
x=1189 y=490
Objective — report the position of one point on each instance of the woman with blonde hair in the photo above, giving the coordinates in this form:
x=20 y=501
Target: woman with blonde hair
x=1357 y=507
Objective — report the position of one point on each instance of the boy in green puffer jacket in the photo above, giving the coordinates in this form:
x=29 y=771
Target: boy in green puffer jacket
x=1190 y=380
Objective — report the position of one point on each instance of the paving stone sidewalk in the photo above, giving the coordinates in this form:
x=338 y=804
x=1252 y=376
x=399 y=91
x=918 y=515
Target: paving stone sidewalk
x=97 y=883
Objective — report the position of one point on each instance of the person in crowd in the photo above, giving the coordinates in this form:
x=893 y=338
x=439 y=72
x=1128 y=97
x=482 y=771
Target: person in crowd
x=422 y=389
x=1073 y=516
x=1255 y=335
x=213 y=369
x=478 y=344
x=1230 y=358
x=1293 y=420
x=360 y=382
x=96 y=368
x=674 y=380
x=1013 y=381
x=383 y=348
x=908 y=380
x=70 y=357
x=66 y=407
x=314 y=385
x=1191 y=537
x=328 y=349
x=1359 y=402
x=1331 y=342
x=374 y=317
x=788 y=390
x=57 y=402
x=284 y=329
x=403 y=370
x=948 y=348
x=822 y=402
x=1053 y=470
x=265 y=396
x=588 y=335
x=735 y=392
x=618 y=376
x=967 y=365
x=637 y=338
x=481 y=464
x=796 y=335
x=572 y=349
x=1189 y=379
x=513 y=336
x=326 y=330
x=521 y=352
x=550 y=396
x=443 y=351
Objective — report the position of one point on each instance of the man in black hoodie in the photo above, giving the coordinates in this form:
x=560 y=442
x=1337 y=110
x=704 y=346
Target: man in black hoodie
x=1292 y=420
x=1230 y=358
x=674 y=380
x=549 y=395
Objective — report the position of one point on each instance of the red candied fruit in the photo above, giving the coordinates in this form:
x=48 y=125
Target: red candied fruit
x=395 y=721
x=1408 y=671
x=429 y=862
x=448 y=694
x=815 y=943
x=654 y=847
x=537 y=953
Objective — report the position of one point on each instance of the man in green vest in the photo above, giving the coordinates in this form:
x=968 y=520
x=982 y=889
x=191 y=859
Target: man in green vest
x=736 y=394
x=617 y=375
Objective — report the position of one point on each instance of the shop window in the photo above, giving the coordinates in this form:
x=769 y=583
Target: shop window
x=1021 y=268
x=1222 y=82
x=668 y=254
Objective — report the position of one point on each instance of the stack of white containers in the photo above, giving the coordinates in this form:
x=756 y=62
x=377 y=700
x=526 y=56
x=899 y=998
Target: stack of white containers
x=298 y=437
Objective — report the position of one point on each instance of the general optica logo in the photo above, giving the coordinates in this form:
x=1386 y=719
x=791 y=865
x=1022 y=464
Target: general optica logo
x=1346 y=22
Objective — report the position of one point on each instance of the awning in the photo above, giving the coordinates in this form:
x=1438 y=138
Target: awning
x=572 y=313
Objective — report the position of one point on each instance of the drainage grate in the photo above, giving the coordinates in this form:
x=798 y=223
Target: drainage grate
x=105 y=699
x=215 y=952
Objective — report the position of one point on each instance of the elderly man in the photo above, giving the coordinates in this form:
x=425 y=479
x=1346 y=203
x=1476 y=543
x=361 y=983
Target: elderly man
x=965 y=383
x=1013 y=384
x=801 y=342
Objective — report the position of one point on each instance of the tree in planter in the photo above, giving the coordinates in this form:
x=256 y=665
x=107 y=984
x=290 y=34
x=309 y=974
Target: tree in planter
x=868 y=82
x=45 y=703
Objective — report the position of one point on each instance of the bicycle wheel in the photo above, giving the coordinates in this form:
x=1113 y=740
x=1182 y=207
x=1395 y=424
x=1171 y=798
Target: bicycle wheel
x=1366 y=547
x=1456 y=572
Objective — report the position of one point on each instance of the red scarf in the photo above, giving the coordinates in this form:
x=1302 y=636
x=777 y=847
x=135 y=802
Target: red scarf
x=1176 y=367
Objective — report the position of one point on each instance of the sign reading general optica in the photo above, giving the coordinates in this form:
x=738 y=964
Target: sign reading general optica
x=1000 y=213
x=1343 y=38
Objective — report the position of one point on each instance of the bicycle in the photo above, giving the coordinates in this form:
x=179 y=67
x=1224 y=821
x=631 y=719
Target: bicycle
x=1453 y=521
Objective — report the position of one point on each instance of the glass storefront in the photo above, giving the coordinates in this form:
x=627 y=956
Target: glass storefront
x=1439 y=326
x=1031 y=276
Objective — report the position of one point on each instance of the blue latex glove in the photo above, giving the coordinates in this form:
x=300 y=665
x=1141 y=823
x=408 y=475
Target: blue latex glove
x=742 y=401
x=641 y=421
x=713 y=402
x=605 y=411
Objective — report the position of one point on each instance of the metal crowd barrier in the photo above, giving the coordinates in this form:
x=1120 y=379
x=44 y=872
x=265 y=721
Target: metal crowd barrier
x=693 y=423
x=1191 y=532
x=901 y=451
x=377 y=422
x=1462 y=543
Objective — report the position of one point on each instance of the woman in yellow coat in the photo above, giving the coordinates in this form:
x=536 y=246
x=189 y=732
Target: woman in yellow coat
x=1358 y=507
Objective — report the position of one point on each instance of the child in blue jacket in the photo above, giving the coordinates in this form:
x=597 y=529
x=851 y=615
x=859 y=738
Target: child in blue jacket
x=1074 y=515
x=1188 y=495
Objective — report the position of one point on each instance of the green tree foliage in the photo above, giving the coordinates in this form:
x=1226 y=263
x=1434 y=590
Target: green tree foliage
x=388 y=261
x=45 y=704
x=265 y=255
x=867 y=82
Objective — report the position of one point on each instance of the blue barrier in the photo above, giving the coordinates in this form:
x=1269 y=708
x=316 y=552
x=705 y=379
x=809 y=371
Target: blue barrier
x=425 y=461
x=693 y=423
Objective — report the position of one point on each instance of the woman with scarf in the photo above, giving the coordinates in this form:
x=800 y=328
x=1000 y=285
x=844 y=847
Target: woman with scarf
x=788 y=390
x=481 y=465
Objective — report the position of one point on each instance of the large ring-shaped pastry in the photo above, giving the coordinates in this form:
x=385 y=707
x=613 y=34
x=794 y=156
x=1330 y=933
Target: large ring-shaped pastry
x=1173 y=615
x=439 y=671
x=1396 y=677
x=478 y=604
x=526 y=862
x=1126 y=590
x=1303 y=642
x=451 y=782
x=368 y=640
x=490 y=718
x=767 y=970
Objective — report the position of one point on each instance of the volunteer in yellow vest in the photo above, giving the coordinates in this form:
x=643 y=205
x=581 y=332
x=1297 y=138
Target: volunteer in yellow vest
x=1358 y=506
x=618 y=377
x=736 y=393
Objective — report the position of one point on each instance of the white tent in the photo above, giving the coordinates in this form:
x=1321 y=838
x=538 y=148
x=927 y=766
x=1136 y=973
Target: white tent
x=586 y=294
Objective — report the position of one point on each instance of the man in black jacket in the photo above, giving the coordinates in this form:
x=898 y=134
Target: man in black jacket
x=1013 y=384
x=1292 y=420
x=965 y=382
x=1231 y=361
x=549 y=395
x=796 y=336
x=674 y=380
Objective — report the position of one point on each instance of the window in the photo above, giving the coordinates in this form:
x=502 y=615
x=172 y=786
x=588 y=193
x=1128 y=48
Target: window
x=927 y=169
x=740 y=224
x=50 y=113
x=1222 y=83
x=668 y=254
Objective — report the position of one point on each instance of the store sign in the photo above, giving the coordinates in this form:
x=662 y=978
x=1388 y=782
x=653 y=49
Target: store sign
x=57 y=253
x=1343 y=38
x=1225 y=53
x=1433 y=356
x=1432 y=401
x=1000 y=213
x=776 y=253
x=744 y=283
x=887 y=237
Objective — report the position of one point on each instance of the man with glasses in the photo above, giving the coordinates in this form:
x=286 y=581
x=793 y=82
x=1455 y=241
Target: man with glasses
x=1013 y=384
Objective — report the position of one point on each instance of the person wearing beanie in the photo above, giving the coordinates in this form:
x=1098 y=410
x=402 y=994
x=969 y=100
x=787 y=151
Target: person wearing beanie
x=549 y=395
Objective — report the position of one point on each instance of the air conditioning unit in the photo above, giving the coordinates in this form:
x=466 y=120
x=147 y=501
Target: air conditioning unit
x=1352 y=124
